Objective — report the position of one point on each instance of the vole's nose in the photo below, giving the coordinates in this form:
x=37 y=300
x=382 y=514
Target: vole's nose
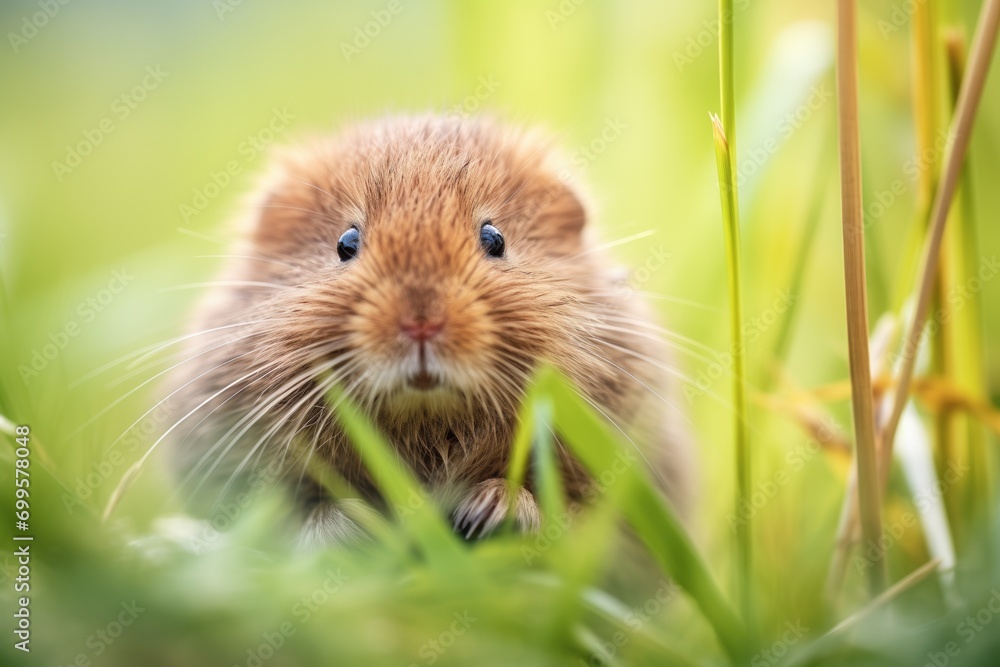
x=421 y=329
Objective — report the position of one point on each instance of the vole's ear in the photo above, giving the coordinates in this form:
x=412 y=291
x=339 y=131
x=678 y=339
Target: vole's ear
x=280 y=216
x=276 y=204
x=297 y=207
x=559 y=217
x=565 y=205
x=563 y=210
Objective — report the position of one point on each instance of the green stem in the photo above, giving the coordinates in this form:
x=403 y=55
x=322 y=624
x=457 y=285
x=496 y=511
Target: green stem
x=726 y=80
x=855 y=285
x=731 y=227
x=725 y=147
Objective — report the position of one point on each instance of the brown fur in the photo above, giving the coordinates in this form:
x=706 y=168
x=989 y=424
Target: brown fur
x=418 y=189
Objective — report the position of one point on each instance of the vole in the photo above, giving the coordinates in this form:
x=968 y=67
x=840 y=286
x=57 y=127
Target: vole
x=429 y=265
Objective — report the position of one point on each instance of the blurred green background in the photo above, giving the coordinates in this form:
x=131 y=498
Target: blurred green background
x=133 y=131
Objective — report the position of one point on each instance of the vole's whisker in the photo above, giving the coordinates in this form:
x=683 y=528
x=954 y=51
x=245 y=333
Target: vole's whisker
x=274 y=368
x=176 y=364
x=271 y=367
x=666 y=332
x=267 y=260
x=228 y=283
x=645 y=386
x=662 y=297
x=307 y=455
x=287 y=388
x=611 y=420
x=279 y=422
x=647 y=359
x=611 y=244
x=120 y=360
x=142 y=460
x=249 y=419
x=181 y=339
x=316 y=187
x=648 y=336
x=114 y=403
x=143 y=353
x=683 y=377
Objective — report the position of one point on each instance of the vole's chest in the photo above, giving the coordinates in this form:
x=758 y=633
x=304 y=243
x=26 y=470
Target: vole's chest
x=441 y=452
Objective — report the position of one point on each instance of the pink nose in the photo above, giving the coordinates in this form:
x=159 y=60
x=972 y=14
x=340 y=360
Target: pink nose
x=421 y=330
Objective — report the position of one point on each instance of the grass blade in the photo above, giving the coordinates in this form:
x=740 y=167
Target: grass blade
x=854 y=281
x=593 y=442
x=731 y=225
x=727 y=92
x=725 y=155
x=549 y=485
x=816 y=652
x=917 y=462
x=426 y=525
x=969 y=96
x=958 y=342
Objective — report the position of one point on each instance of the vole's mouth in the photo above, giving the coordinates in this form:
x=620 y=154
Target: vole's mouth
x=423 y=380
x=422 y=369
x=424 y=389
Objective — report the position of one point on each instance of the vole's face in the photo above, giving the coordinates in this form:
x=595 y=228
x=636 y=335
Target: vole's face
x=427 y=319
x=437 y=271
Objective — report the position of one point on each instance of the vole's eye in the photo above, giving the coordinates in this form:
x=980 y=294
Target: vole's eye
x=491 y=239
x=347 y=246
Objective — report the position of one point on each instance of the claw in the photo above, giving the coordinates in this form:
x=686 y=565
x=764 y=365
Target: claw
x=486 y=507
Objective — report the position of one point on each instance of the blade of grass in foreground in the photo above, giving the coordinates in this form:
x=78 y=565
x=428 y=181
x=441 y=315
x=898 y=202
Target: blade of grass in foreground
x=970 y=345
x=731 y=225
x=349 y=501
x=562 y=531
x=581 y=550
x=550 y=488
x=820 y=650
x=854 y=283
x=725 y=153
x=9 y=429
x=618 y=614
x=654 y=522
x=426 y=525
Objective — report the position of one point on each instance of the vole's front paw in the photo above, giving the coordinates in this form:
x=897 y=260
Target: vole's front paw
x=334 y=522
x=489 y=503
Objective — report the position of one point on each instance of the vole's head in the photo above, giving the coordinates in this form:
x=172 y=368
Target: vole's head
x=429 y=263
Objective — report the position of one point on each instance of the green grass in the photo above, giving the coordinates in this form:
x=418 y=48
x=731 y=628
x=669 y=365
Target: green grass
x=620 y=582
x=221 y=598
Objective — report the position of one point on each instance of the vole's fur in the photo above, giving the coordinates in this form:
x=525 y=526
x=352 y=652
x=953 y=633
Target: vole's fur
x=290 y=316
